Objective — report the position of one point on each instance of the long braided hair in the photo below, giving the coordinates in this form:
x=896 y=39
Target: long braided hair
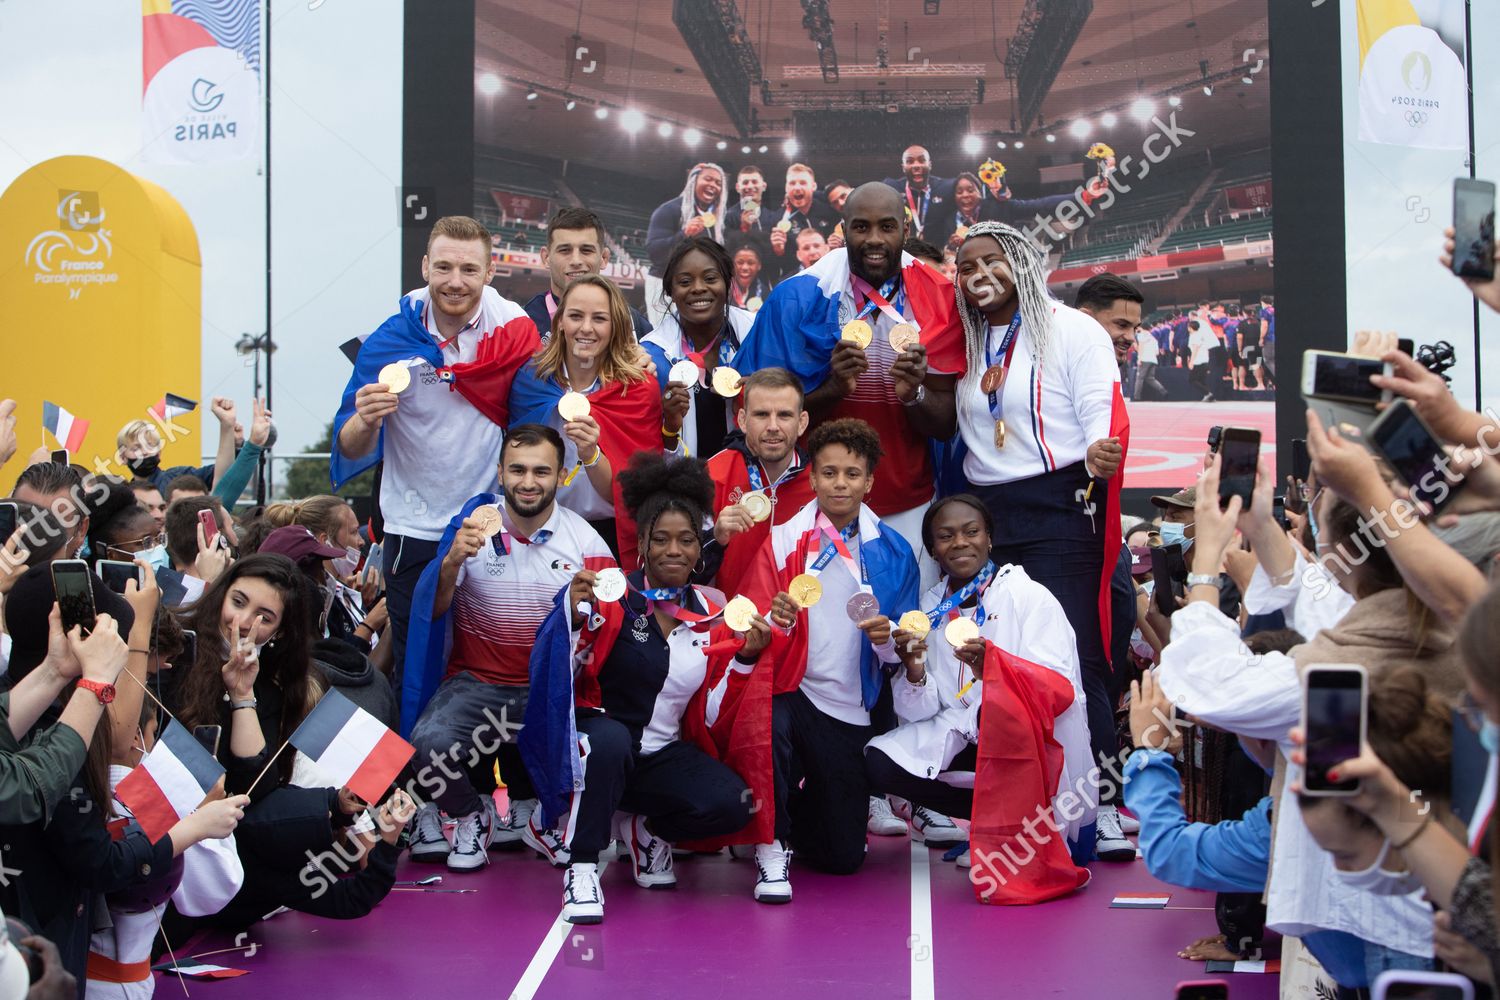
x=689 y=201
x=1029 y=272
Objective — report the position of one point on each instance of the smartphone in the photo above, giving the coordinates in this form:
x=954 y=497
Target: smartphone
x=1330 y=375
x=1301 y=464
x=1403 y=439
x=1473 y=229
x=1333 y=723
x=1409 y=984
x=1203 y=989
x=9 y=515
x=208 y=736
x=61 y=457
x=1278 y=512
x=189 y=654
x=1215 y=436
x=210 y=526
x=1239 y=453
x=75 y=594
x=1169 y=571
x=116 y=573
x=1406 y=346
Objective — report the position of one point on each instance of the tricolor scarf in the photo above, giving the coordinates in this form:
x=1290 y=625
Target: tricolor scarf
x=888 y=563
x=1015 y=780
x=629 y=418
x=729 y=471
x=485 y=382
x=740 y=737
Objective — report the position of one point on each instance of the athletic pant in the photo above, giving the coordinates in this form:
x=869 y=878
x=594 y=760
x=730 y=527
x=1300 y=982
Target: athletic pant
x=683 y=792
x=822 y=798
x=886 y=777
x=1198 y=378
x=1145 y=377
x=405 y=559
x=464 y=728
x=1042 y=526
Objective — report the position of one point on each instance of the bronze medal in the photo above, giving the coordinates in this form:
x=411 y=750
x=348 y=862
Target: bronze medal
x=1000 y=433
x=992 y=380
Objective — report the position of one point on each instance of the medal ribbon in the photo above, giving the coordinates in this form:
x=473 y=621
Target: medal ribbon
x=726 y=349
x=507 y=531
x=552 y=305
x=949 y=607
x=919 y=216
x=1007 y=348
x=837 y=547
x=874 y=299
x=752 y=469
x=669 y=599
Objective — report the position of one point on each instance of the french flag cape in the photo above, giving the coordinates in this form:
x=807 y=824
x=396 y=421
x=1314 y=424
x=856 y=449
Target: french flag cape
x=740 y=737
x=798 y=327
x=426 y=636
x=485 y=382
x=351 y=746
x=731 y=482
x=889 y=566
x=170 y=781
x=629 y=418
x=1019 y=764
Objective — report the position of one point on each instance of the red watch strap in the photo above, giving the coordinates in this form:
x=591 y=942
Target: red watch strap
x=104 y=692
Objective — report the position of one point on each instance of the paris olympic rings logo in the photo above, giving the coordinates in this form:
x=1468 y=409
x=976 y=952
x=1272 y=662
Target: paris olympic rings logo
x=1416 y=118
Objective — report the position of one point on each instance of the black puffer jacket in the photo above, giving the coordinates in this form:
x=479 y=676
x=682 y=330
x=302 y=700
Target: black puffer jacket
x=349 y=670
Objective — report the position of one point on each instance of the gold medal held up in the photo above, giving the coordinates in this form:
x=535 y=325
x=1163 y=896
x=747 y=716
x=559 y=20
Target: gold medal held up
x=858 y=332
x=573 y=406
x=960 y=631
x=709 y=220
x=739 y=612
x=726 y=381
x=395 y=377
x=805 y=590
x=903 y=337
x=757 y=505
x=915 y=623
x=754 y=303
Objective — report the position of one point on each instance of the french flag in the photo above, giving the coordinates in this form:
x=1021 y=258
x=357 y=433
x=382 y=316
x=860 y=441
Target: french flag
x=68 y=429
x=170 y=781
x=352 y=746
x=170 y=406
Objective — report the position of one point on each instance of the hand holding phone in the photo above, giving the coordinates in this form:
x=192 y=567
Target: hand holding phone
x=1403 y=439
x=75 y=594
x=117 y=573
x=1412 y=984
x=1474 y=229
x=1239 y=456
x=1345 y=377
x=1169 y=575
x=1334 y=713
x=210 y=525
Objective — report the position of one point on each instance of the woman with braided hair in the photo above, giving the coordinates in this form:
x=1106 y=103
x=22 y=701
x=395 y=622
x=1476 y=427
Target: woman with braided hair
x=1040 y=413
x=650 y=679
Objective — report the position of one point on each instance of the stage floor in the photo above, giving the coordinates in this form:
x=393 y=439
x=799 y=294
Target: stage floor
x=1167 y=440
x=907 y=925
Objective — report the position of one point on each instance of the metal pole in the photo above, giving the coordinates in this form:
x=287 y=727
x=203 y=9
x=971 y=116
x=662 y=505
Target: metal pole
x=263 y=473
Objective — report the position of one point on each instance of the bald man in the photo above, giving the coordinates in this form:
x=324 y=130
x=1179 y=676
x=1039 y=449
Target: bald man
x=926 y=197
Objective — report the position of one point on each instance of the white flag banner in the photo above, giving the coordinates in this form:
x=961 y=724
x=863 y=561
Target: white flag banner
x=201 y=61
x=1413 y=89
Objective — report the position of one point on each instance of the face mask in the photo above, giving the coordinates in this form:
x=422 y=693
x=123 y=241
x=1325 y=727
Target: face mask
x=345 y=564
x=156 y=556
x=1489 y=737
x=1173 y=533
x=144 y=468
x=1377 y=880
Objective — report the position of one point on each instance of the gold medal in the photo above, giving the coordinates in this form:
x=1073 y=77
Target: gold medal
x=738 y=614
x=709 y=219
x=757 y=504
x=805 y=590
x=754 y=303
x=858 y=332
x=488 y=516
x=726 y=381
x=915 y=623
x=573 y=406
x=960 y=631
x=903 y=337
x=1000 y=433
x=783 y=226
x=395 y=377
x=993 y=379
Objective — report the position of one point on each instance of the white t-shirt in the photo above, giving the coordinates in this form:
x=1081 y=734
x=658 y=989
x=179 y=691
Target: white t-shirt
x=1200 y=342
x=440 y=450
x=1146 y=347
x=1051 y=416
x=832 y=681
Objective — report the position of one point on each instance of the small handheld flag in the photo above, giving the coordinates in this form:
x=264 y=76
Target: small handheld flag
x=352 y=746
x=68 y=429
x=171 y=405
x=170 y=781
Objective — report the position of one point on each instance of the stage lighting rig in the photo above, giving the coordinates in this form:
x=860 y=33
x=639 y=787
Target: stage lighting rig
x=819 y=25
x=1043 y=39
x=715 y=33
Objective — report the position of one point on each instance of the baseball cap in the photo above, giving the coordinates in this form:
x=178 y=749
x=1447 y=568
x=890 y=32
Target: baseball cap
x=297 y=543
x=1140 y=560
x=1182 y=498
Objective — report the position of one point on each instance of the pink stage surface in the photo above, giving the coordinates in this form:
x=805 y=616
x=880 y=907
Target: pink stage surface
x=1167 y=440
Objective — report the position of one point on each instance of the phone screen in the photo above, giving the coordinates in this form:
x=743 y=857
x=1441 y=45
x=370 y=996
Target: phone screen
x=1423 y=991
x=189 y=654
x=8 y=513
x=1346 y=376
x=1473 y=229
x=1203 y=991
x=116 y=573
x=1416 y=455
x=75 y=594
x=1169 y=573
x=1238 y=456
x=1278 y=512
x=1334 y=726
x=208 y=736
x=1301 y=460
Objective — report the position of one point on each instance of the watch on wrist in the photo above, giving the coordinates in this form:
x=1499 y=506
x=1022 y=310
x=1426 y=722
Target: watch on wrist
x=1203 y=580
x=921 y=395
x=104 y=692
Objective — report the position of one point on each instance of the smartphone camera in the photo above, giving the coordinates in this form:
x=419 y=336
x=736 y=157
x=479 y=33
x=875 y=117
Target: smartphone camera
x=1334 y=725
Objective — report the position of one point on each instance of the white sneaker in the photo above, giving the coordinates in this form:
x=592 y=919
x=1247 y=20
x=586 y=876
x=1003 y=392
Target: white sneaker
x=883 y=822
x=429 y=846
x=471 y=839
x=1128 y=823
x=650 y=856
x=771 y=862
x=1109 y=840
x=548 y=843
x=935 y=829
x=583 y=896
x=964 y=860
x=508 y=829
